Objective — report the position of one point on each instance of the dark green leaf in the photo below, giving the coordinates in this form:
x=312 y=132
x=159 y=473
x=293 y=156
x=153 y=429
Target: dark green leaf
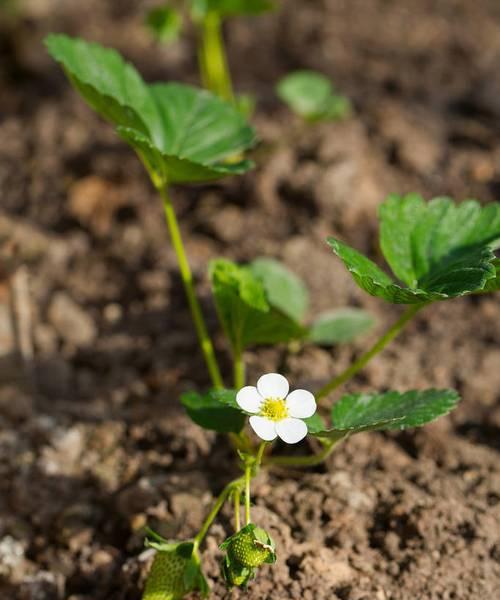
x=311 y=95
x=439 y=249
x=164 y=167
x=394 y=410
x=355 y=413
x=194 y=579
x=244 y=310
x=165 y=23
x=285 y=291
x=418 y=239
x=374 y=281
x=493 y=284
x=181 y=133
x=214 y=410
x=338 y=326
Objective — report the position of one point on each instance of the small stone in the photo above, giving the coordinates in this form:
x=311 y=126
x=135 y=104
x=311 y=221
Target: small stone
x=72 y=323
x=113 y=312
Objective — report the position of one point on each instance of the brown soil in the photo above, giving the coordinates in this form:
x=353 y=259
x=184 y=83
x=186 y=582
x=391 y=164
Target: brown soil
x=95 y=444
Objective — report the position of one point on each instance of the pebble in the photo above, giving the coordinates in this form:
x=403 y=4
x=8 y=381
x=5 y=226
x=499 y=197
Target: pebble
x=73 y=324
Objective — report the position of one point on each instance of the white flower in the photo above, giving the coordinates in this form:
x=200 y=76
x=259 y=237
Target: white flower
x=275 y=411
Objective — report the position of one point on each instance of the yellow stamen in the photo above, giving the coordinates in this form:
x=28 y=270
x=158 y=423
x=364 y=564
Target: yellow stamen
x=274 y=409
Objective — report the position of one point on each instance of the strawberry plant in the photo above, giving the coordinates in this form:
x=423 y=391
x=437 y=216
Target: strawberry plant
x=437 y=251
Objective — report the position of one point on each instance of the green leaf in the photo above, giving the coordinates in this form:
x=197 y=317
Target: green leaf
x=439 y=249
x=214 y=410
x=417 y=237
x=311 y=95
x=355 y=413
x=394 y=410
x=340 y=326
x=112 y=87
x=244 y=310
x=315 y=423
x=230 y=8
x=194 y=578
x=285 y=290
x=181 y=133
x=164 y=23
x=374 y=281
x=493 y=284
x=164 y=167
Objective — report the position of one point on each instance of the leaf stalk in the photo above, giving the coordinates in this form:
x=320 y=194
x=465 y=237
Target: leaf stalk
x=365 y=358
x=187 y=279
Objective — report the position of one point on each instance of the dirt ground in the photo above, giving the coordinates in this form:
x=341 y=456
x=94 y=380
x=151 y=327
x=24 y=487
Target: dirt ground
x=94 y=444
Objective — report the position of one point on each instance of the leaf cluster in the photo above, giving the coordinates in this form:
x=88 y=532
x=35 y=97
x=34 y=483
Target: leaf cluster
x=266 y=303
x=353 y=413
x=181 y=134
x=439 y=250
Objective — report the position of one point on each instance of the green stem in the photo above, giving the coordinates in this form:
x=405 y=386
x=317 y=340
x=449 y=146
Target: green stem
x=187 y=279
x=235 y=487
x=248 y=477
x=302 y=461
x=237 y=499
x=239 y=370
x=212 y=58
x=260 y=454
x=219 y=503
x=391 y=333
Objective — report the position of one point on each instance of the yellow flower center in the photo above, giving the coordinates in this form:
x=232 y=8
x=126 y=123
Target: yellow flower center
x=274 y=409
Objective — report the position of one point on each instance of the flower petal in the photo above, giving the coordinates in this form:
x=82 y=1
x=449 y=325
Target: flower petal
x=291 y=430
x=264 y=428
x=301 y=404
x=273 y=385
x=249 y=399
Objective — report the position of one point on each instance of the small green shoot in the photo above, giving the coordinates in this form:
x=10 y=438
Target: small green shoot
x=311 y=96
x=209 y=17
x=164 y=23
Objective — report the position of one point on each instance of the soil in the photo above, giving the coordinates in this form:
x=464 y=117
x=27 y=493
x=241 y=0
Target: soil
x=93 y=444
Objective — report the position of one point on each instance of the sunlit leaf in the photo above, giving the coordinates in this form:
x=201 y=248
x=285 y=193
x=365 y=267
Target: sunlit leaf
x=355 y=413
x=181 y=133
x=439 y=249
